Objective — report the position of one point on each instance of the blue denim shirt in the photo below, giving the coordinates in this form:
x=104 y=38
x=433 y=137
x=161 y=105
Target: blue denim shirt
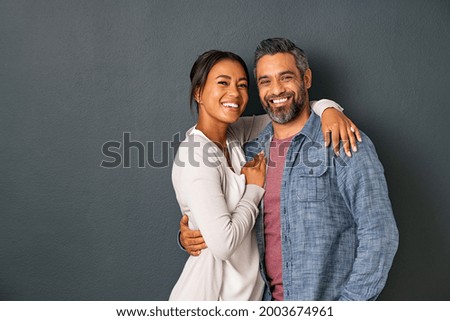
x=339 y=236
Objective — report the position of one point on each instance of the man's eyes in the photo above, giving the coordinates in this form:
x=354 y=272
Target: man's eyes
x=283 y=78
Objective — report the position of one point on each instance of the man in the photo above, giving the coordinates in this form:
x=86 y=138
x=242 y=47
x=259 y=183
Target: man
x=326 y=229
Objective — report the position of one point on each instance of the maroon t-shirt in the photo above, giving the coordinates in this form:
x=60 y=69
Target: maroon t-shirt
x=272 y=227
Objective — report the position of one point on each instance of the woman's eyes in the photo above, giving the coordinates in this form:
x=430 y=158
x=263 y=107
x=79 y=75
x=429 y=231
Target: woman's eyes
x=226 y=83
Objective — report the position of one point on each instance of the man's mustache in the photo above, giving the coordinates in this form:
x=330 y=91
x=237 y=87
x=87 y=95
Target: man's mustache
x=281 y=96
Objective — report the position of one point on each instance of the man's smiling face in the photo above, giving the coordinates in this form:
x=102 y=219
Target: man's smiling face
x=282 y=88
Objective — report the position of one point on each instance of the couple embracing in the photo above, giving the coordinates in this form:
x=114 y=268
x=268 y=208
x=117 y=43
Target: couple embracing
x=272 y=212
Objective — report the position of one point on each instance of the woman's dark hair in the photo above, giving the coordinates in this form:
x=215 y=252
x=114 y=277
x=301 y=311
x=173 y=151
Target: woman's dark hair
x=204 y=64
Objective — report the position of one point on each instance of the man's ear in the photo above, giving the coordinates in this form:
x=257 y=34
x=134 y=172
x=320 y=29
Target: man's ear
x=307 y=78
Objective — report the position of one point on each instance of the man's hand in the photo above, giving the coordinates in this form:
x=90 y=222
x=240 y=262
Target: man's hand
x=192 y=241
x=341 y=128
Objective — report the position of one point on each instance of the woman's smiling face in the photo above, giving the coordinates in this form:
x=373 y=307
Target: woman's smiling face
x=225 y=94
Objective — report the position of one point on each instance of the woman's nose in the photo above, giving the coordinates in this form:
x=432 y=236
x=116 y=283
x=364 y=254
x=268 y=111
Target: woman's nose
x=233 y=91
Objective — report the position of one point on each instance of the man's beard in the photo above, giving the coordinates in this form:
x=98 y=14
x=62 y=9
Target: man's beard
x=282 y=115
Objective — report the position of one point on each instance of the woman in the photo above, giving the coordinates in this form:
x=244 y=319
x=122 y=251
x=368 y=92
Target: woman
x=210 y=188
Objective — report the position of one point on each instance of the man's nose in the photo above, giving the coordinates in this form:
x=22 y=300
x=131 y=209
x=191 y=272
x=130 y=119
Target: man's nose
x=277 y=88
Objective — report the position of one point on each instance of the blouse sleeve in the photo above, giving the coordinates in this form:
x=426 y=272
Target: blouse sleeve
x=222 y=229
x=249 y=127
x=320 y=105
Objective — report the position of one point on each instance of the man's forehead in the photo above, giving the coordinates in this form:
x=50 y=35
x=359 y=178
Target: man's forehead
x=276 y=64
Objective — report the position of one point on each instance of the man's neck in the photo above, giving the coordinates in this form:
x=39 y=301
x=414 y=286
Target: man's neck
x=292 y=127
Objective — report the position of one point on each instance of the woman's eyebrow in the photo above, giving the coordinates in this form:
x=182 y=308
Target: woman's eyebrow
x=228 y=77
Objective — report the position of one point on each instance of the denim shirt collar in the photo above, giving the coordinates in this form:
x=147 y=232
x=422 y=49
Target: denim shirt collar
x=310 y=130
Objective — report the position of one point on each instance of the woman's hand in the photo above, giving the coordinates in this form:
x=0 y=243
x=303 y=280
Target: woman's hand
x=342 y=129
x=255 y=170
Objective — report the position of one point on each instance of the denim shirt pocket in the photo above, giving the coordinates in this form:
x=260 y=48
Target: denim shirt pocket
x=313 y=184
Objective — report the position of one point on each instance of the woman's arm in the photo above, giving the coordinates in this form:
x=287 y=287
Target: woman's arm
x=201 y=188
x=333 y=121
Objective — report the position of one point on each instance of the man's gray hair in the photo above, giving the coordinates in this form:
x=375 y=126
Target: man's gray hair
x=273 y=46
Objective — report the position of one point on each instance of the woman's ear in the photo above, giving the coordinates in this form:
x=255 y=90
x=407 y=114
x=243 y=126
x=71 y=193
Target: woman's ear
x=197 y=96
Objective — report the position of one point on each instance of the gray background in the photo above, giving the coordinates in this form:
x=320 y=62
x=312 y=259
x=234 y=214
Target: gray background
x=75 y=74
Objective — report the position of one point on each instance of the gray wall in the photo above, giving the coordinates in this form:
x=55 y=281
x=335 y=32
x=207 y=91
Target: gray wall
x=76 y=74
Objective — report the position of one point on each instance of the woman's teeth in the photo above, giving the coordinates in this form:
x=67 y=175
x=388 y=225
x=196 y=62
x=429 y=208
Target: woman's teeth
x=231 y=105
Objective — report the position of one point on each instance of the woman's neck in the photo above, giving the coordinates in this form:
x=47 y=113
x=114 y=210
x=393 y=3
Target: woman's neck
x=216 y=132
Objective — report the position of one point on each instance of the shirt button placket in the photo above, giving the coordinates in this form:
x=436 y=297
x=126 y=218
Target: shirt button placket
x=288 y=258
